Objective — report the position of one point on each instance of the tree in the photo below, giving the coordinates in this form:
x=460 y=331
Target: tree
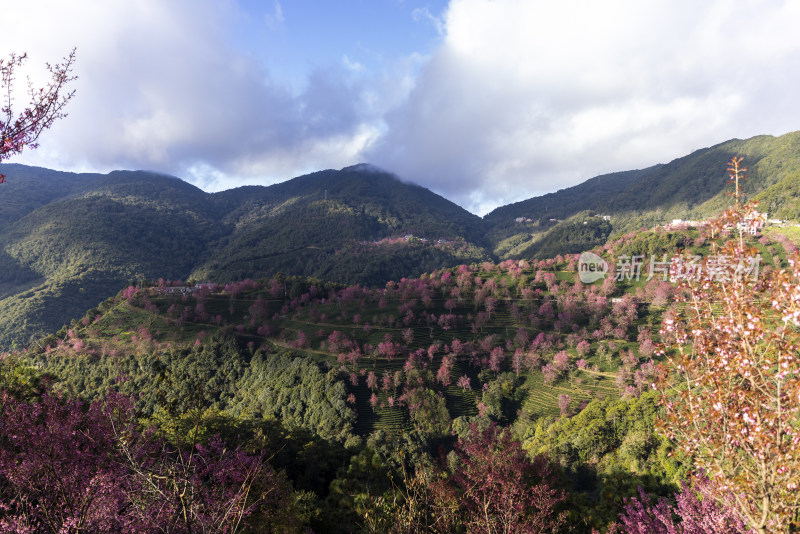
x=464 y=383
x=696 y=511
x=67 y=466
x=496 y=359
x=372 y=380
x=732 y=391
x=516 y=361
x=46 y=104
x=502 y=490
x=56 y=470
x=736 y=173
x=205 y=488
x=564 y=401
x=443 y=375
x=424 y=502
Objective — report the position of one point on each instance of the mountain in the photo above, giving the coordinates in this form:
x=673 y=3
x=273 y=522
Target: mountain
x=71 y=240
x=336 y=224
x=332 y=382
x=347 y=391
x=691 y=187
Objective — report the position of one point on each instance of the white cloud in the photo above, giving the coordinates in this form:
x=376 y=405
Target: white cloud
x=161 y=88
x=423 y=14
x=352 y=65
x=276 y=17
x=521 y=97
x=525 y=97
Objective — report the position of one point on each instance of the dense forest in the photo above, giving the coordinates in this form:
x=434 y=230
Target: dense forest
x=484 y=397
x=69 y=245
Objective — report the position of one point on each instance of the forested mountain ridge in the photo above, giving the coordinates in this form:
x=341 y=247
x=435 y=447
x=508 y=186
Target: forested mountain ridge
x=398 y=205
x=71 y=240
x=339 y=225
x=692 y=187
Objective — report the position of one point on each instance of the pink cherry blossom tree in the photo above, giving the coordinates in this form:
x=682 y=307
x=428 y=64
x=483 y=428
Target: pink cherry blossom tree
x=45 y=105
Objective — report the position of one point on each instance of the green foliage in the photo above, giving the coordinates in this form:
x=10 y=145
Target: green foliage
x=296 y=391
x=692 y=187
x=216 y=376
x=18 y=377
x=654 y=244
x=608 y=450
x=70 y=240
x=365 y=476
x=503 y=398
x=431 y=416
x=577 y=234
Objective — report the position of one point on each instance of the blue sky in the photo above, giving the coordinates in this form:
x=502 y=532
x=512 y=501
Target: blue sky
x=295 y=37
x=483 y=101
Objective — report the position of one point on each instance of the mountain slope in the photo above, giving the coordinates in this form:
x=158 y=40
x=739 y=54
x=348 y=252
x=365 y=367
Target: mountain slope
x=83 y=246
x=691 y=187
x=72 y=240
x=396 y=205
x=334 y=224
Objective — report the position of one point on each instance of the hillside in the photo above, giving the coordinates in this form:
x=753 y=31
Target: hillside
x=692 y=187
x=347 y=388
x=98 y=233
x=345 y=371
x=338 y=225
x=72 y=240
x=351 y=375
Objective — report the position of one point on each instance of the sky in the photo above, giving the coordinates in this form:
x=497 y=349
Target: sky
x=485 y=102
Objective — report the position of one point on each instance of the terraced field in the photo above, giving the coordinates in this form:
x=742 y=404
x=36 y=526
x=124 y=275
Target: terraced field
x=473 y=319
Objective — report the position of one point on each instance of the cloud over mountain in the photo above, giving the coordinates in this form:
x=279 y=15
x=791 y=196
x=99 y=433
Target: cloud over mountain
x=532 y=96
x=484 y=101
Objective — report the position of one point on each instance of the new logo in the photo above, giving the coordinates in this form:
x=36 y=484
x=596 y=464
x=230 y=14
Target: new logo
x=591 y=267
